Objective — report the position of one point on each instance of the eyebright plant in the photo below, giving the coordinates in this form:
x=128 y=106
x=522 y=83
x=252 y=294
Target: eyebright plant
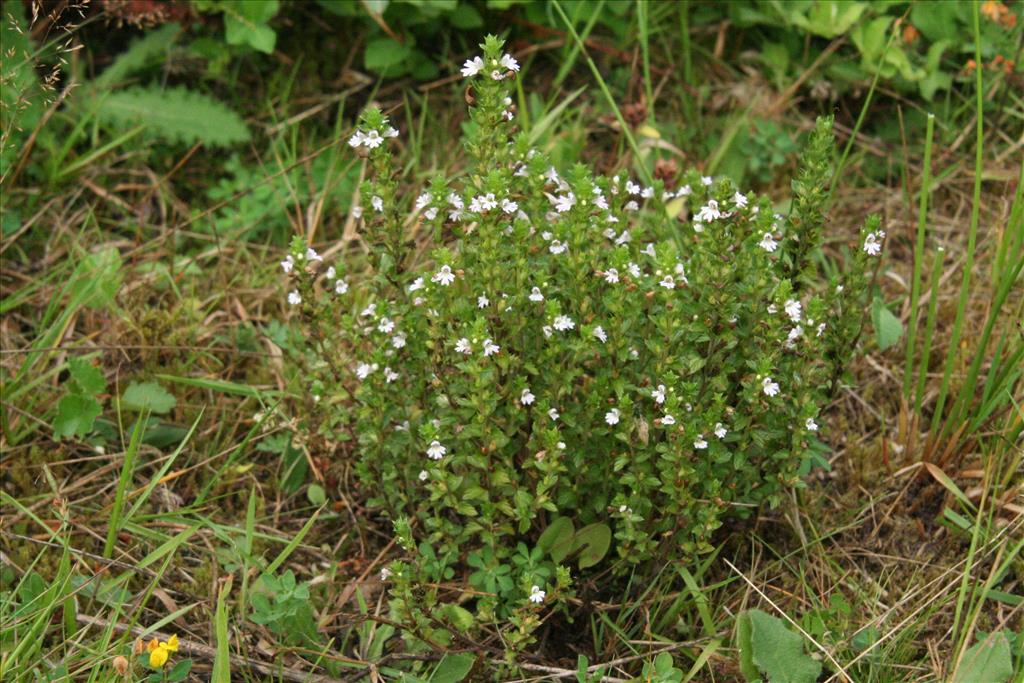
x=650 y=358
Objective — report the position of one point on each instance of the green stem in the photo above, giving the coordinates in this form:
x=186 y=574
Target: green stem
x=915 y=286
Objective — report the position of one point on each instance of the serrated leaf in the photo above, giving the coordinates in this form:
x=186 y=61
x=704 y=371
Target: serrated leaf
x=987 y=661
x=87 y=376
x=176 y=115
x=593 y=542
x=143 y=52
x=888 y=328
x=75 y=416
x=768 y=647
x=150 y=396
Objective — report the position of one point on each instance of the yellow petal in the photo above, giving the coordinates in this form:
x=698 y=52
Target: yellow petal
x=172 y=643
x=158 y=657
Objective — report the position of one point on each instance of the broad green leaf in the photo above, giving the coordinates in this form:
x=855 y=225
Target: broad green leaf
x=987 y=661
x=593 y=540
x=557 y=539
x=245 y=23
x=87 y=376
x=770 y=649
x=831 y=18
x=316 y=495
x=384 y=53
x=150 y=396
x=888 y=328
x=75 y=416
x=459 y=616
x=453 y=668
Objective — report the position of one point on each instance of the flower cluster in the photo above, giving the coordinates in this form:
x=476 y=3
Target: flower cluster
x=614 y=351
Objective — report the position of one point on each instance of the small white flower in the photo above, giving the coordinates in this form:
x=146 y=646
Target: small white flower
x=546 y=235
x=553 y=414
x=821 y=329
x=659 y=394
x=707 y=180
x=373 y=140
x=811 y=425
x=793 y=309
x=416 y=284
x=632 y=188
x=563 y=323
x=423 y=475
x=794 y=334
x=768 y=243
x=472 y=67
x=357 y=212
x=740 y=199
x=769 y=387
x=385 y=574
x=312 y=255
x=357 y=139
x=600 y=334
x=633 y=269
x=363 y=370
x=331 y=273
x=565 y=202
x=612 y=416
x=600 y=202
x=497 y=75
x=684 y=191
x=288 y=264
x=482 y=301
x=435 y=451
x=624 y=238
x=557 y=247
x=294 y=298
x=650 y=251
x=377 y=203
x=700 y=444
x=509 y=62
x=444 y=276
x=611 y=276
x=369 y=311
x=527 y=398
x=560 y=445
x=398 y=341
x=708 y=212
x=483 y=203
x=720 y=430
x=667 y=282
x=463 y=346
x=536 y=295
x=431 y=213
x=423 y=200
x=537 y=595
x=668 y=420
x=509 y=206
x=340 y=286
x=773 y=309
x=490 y=348
x=547 y=331
x=631 y=206
x=390 y=375
x=386 y=325
x=647 y=192
x=391 y=132
x=872 y=245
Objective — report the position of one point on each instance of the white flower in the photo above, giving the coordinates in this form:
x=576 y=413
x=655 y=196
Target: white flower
x=623 y=238
x=811 y=425
x=416 y=284
x=600 y=202
x=600 y=334
x=537 y=595
x=527 y=398
x=390 y=375
x=557 y=247
x=312 y=255
x=560 y=445
x=611 y=276
x=821 y=329
x=423 y=200
x=385 y=574
x=363 y=370
x=794 y=334
x=546 y=235
x=708 y=212
x=340 y=286
x=490 y=348
x=535 y=294
x=357 y=139
x=668 y=420
x=369 y=311
x=659 y=394
x=386 y=325
x=435 y=451
x=612 y=416
x=684 y=191
x=769 y=387
x=872 y=245
x=647 y=192
x=497 y=75
x=563 y=323
x=391 y=132
x=565 y=202
x=706 y=180
x=632 y=188
x=398 y=341
x=553 y=414
x=793 y=309
x=667 y=282
x=741 y=200
x=547 y=331
x=509 y=62
x=373 y=139
x=423 y=475
x=482 y=301
x=294 y=298
x=483 y=203
x=357 y=212
x=773 y=309
x=698 y=227
x=509 y=206
x=472 y=67
x=444 y=277
x=331 y=273
x=631 y=206
x=768 y=243
x=431 y=213
x=463 y=346
x=649 y=250
x=720 y=430
x=700 y=444
x=633 y=269
x=288 y=264
x=377 y=203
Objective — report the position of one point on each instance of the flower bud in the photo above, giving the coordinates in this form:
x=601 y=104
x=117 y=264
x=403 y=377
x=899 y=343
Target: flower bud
x=121 y=665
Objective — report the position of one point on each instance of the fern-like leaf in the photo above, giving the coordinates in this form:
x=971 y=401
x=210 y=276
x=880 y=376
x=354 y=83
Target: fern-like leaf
x=142 y=53
x=176 y=115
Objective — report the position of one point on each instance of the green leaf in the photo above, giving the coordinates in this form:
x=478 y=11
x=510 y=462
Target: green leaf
x=179 y=671
x=222 y=658
x=384 y=53
x=87 y=376
x=557 y=539
x=75 y=416
x=150 y=396
x=830 y=18
x=144 y=52
x=453 y=668
x=888 y=328
x=767 y=647
x=316 y=495
x=987 y=661
x=245 y=23
x=593 y=540
x=460 y=617
x=176 y=115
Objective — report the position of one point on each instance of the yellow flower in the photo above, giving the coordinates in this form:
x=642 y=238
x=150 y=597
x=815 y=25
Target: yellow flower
x=172 y=643
x=158 y=657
